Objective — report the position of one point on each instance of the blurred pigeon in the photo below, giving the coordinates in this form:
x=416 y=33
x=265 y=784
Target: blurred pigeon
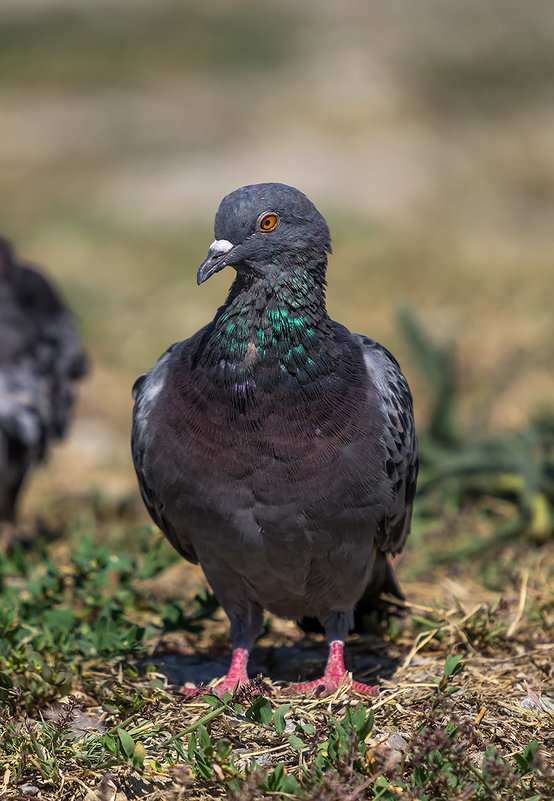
x=40 y=359
x=273 y=446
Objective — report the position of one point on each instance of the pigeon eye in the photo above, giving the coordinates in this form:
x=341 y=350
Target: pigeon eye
x=267 y=222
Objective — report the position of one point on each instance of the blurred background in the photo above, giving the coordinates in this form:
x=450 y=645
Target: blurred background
x=423 y=132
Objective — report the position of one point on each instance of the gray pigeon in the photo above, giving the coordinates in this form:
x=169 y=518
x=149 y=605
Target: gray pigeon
x=41 y=358
x=274 y=447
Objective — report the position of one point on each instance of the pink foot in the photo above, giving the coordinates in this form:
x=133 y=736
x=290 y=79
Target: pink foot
x=335 y=675
x=236 y=673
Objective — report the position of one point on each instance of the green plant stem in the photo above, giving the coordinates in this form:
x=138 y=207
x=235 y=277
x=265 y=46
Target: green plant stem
x=215 y=713
x=122 y=725
x=478 y=775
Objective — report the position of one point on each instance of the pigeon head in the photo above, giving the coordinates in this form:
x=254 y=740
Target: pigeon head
x=264 y=227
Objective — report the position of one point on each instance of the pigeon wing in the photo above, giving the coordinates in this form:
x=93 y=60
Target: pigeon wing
x=147 y=390
x=399 y=438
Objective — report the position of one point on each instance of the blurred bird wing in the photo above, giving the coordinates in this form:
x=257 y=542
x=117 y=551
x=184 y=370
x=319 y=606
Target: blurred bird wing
x=40 y=358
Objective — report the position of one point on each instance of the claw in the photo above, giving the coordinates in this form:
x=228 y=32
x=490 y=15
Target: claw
x=334 y=677
x=236 y=677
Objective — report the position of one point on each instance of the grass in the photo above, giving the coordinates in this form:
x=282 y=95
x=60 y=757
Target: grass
x=141 y=48
x=487 y=80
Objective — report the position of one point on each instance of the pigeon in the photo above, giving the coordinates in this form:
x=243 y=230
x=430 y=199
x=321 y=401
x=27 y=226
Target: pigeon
x=41 y=358
x=274 y=447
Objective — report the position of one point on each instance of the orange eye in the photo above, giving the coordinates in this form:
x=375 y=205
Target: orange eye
x=267 y=222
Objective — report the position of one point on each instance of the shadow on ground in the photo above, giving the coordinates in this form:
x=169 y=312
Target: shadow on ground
x=366 y=657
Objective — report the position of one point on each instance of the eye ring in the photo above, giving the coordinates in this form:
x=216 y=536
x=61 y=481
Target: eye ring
x=267 y=221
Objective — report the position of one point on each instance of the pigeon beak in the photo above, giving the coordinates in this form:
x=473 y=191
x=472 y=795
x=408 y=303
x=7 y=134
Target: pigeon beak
x=215 y=260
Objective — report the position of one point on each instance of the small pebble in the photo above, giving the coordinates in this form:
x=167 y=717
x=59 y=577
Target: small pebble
x=397 y=741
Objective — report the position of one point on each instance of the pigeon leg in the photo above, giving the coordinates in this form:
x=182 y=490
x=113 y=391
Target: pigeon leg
x=335 y=675
x=245 y=625
x=236 y=673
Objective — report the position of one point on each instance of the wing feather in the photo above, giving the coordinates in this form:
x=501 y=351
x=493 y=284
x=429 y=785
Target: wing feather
x=399 y=439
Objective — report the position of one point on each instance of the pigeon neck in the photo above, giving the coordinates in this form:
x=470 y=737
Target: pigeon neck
x=279 y=303
x=280 y=319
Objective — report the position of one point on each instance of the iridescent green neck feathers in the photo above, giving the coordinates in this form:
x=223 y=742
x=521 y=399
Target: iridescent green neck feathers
x=280 y=326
